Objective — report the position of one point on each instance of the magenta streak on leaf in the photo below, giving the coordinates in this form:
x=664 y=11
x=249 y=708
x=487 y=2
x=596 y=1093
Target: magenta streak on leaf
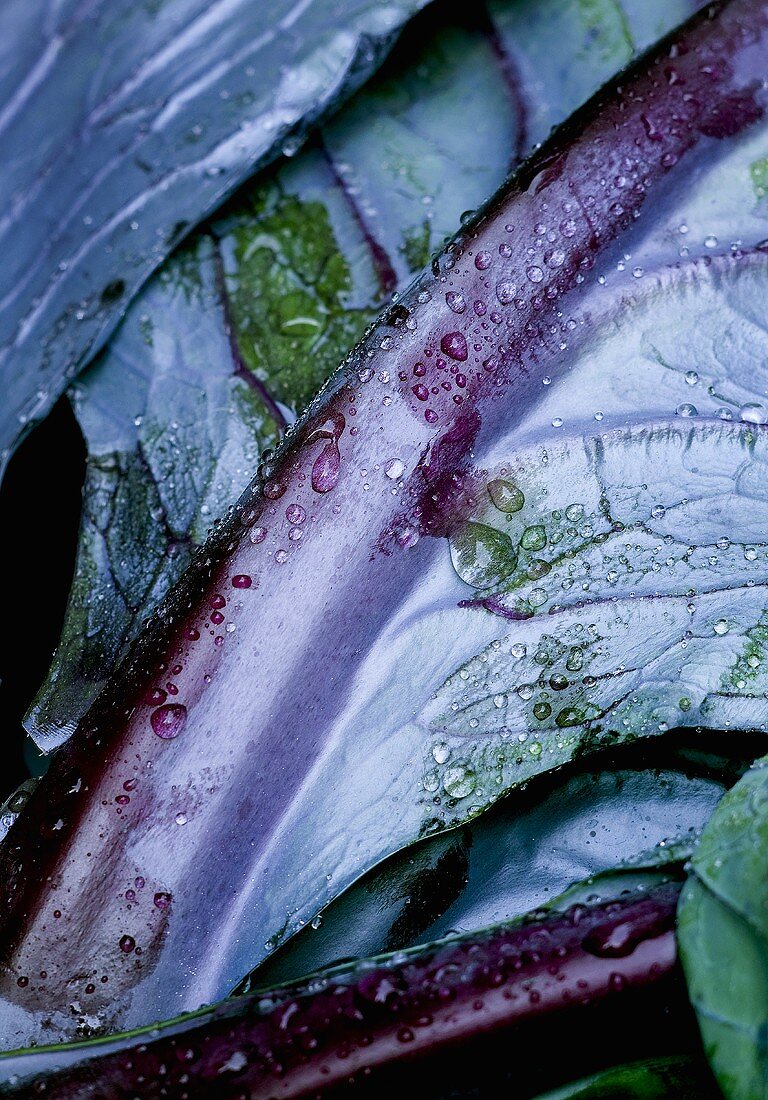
x=241 y=368
x=208 y=815
x=307 y=1038
x=385 y=272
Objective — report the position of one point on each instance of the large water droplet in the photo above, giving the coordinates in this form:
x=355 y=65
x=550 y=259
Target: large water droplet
x=325 y=471
x=459 y=781
x=752 y=413
x=454 y=344
x=394 y=469
x=168 y=721
x=506 y=496
x=481 y=555
x=534 y=538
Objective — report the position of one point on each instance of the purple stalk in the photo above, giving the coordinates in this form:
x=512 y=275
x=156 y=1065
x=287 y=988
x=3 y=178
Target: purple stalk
x=352 y=1021
x=145 y=874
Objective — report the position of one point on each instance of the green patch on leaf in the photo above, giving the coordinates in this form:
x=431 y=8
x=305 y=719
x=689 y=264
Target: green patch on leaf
x=289 y=287
x=758 y=173
x=657 y=1079
x=416 y=247
x=608 y=29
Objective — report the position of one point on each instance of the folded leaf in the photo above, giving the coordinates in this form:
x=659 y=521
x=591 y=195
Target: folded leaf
x=125 y=124
x=287 y=715
x=723 y=936
x=608 y=830
x=351 y=1021
x=303 y=260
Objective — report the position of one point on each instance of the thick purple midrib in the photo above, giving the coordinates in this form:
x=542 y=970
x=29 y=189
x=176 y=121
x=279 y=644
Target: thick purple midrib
x=567 y=163
x=443 y=994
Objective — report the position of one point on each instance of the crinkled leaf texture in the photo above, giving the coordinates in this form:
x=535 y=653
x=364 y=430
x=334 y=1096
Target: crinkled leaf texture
x=219 y=362
x=123 y=125
x=723 y=937
x=325 y=687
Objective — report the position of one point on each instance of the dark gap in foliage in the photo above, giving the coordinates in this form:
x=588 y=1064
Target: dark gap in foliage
x=39 y=516
x=545 y=1053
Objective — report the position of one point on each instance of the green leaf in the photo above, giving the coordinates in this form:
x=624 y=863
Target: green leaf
x=678 y=1077
x=124 y=124
x=723 y=937
x=306 y=257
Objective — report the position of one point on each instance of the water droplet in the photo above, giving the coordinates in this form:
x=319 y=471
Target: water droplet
x=691 y=377
x=752 y=413
x=316 y=922
x=710 y=241
x=658 y=511
x=686 y=409
x=454 y=345
x=281 y=557
x=481 y=555
x=505 y=292
x=241 y=580
x=721 y=626
x=258 y=534
x=455 y=302
x=459 y=781
x=505 y=496
x=181 y=819
x=394 y=469
x=441 y=752
x=127 y=944
x=483 y=261
x=162 y=900
x=294 y=513
x=500 y=700
x=534 y=538
x=723 y=413
x=575 y=659
x=535 y=274
x=541 y=711
x=750 y=553
x=168 y=721
x=326 y=468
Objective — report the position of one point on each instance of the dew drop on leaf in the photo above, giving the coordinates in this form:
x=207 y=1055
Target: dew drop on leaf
x=168 y=721
x=506 y=496
x=481 y=555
